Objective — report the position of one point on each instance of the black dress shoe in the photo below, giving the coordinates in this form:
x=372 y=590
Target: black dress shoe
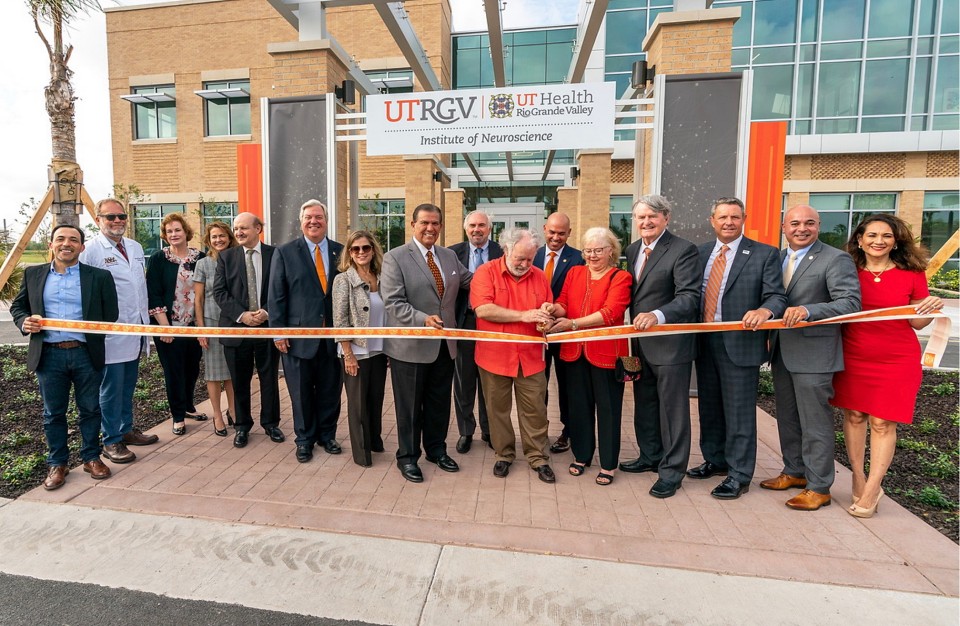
x=663 y=488
x=276 y=435
x=562 y=444
x=445 y=463
x=464 y=443
x=332 y=447
x=545 y=474
x=730 y=489
x=377 y=447
x=485 y=438
x=706 y=470
x=637 y=466
x=411 y=471
x=501 y=469
x=240 y=439
x=304 y=452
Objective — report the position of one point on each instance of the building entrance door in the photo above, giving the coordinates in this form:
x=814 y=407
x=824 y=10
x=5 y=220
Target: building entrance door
x=504 y=216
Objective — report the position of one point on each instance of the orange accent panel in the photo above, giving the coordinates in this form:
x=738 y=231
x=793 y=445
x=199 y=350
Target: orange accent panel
x=768 y=142
x=249 y=179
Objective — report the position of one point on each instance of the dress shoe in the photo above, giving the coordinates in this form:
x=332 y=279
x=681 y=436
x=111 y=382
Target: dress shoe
x=485 y=438
x=304 y=452
x=332 y=447
x=637 y=466
x=445 y=463
x=275 y=434
x=200 y=417
x=55 y=477
x=858 y=511
x=96 y=469
x=545 y=474
x=464 y=443
x=784 y=482
x=118 y=453
x=706 y=470
x=808 y=500
x=730 y=489
x=179 y=429
x=501 y=469
x=411 y=471
x=136 y=438
x=562 y=444
x=664 y=488
x=377 y=447
x=240 y=439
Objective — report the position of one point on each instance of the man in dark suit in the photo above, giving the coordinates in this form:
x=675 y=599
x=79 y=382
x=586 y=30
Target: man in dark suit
x=477 y=250
x=820 y=282
x=666 y=290
x=300 y=294
x=69 y=290
x=420 y=283
x=240 y=289
x=740 y=281
x=555 y=258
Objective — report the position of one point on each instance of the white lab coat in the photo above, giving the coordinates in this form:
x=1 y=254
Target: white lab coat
x=130 y=277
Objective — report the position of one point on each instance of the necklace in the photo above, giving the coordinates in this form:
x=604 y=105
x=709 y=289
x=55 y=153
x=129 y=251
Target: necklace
x=876 y=275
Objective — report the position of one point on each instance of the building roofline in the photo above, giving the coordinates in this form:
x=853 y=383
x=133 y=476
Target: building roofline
x=159 y=5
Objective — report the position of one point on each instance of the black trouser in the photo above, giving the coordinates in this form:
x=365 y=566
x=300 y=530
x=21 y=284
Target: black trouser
x=180 y=360
x=241 y=360
x=421 y=393
x=467 y=389
x=597 y=399
x=365 y=406
x=553 y=358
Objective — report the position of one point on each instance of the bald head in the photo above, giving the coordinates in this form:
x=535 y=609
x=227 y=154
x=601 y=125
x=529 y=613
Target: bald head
x=247 y=228
x=801 y=226
x=556 y=231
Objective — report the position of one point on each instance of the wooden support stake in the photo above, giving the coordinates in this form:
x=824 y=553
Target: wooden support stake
x=13 y=257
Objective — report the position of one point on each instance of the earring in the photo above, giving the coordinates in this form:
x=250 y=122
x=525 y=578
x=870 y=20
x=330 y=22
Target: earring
x=895 y=247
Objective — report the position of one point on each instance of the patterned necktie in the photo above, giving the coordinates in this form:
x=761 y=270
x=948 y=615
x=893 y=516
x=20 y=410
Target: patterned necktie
x=548 y=270
x=436 y=272
x=477 y=259
x=251 y=283
x=788 y=270
x=321 y=270
x=711 y=295
x=122 y=249
x=646 y=257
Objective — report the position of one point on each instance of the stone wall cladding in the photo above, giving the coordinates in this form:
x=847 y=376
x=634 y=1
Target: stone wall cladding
x=621 y=171
x=943 y=165
x=842 y=166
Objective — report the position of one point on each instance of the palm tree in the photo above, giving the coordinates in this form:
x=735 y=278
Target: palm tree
x=59 y=98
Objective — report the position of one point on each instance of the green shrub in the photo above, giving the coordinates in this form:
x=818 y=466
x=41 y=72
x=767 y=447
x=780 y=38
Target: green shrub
x=927 y=426
x=28 y=397
x=839 y=438
x=943 y=466
x=933 y=497
x=912 y=444
x=946 y=279
x=945 y=389
x=13 y=371
x=22 y=468
x=16 y=439
x=765 y=387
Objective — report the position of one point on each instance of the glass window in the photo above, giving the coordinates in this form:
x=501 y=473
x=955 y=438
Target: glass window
x=529 y=64
x=946 y=96
x=155 y=120
x=882 y=124
x=775 y=22
x=950 y=18
x=921 y=86
x=885 y=87
x=146 y=224
x=385 y=219
x=808 y=53
x=946 y=122
x=742 y=28
x=740 y=57
x=229 y=114
x=836 y=127
x=771 y=92
x=838 y=89
x=778 y=54
x=941 y=218
x=925 y=45
x=808 y=21
x=928 y=17
x=621 y=220
x=890 y=18
x=466 y=72
x=837 y=51
x=626 y=4
x=217 y=212
x=805 y=91
x=841 y=212
x=842 y=19
x=625 y=31
x=949 y=45
x=559 y=56
x=382 y=80
x=888 y=48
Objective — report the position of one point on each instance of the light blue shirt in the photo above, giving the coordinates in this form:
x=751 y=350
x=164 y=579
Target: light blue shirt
x=476 y=260
x=732 y=249
x=62 y=300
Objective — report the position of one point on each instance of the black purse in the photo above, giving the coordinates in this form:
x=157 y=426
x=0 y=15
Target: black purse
x=627 y=369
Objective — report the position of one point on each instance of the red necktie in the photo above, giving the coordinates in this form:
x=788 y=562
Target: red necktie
x=122 y=249
x=711 y=295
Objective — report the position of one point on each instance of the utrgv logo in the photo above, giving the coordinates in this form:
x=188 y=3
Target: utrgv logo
x=501 y=105
x=444 y=110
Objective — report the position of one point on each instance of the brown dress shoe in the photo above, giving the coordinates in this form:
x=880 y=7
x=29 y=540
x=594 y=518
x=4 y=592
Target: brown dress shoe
x=783 y=482
x=136 y=438
x=118 y=453
x=808 y=500
x=96 y=469
x=55 y=477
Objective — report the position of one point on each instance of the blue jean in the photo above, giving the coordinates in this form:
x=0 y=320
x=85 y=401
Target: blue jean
x=59 y=369
x=116 y=399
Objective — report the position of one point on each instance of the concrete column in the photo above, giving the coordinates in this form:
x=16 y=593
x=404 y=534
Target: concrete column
x=453 y=215
x=593 y=187
x=568 y=202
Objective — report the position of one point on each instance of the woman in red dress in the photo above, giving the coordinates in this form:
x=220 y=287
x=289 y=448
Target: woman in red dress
x=882 y=373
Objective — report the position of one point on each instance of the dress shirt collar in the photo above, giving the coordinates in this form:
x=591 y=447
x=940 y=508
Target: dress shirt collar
x=733 y=245
x=423 y=249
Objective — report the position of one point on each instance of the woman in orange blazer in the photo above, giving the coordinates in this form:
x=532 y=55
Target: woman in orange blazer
x=595 y=294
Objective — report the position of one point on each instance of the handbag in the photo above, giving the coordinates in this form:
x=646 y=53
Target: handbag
x=627 y=369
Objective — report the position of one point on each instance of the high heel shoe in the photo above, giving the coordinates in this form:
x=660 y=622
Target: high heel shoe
x=858 y=511
x=229 y=418
x=219 y=432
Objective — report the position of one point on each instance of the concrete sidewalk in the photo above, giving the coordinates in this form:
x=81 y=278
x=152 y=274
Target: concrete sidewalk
x=469 y=547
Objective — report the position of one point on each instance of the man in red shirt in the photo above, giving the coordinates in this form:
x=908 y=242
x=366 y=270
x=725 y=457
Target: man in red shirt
x=507 y=295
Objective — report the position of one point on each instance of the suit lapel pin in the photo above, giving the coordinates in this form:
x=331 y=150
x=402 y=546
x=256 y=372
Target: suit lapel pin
x=745 y=252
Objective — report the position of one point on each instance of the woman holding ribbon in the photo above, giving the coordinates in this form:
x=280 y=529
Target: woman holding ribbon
x=357 y=304
x=882 y=374
x=170 y=296
x=217 y=238
x=595 y=294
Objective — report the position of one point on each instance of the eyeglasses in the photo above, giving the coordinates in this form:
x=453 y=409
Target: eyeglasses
x=361 y=249
x=595 y=251
x=112 y=217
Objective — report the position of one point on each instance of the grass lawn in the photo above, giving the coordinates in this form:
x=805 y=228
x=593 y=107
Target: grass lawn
x=31 y=257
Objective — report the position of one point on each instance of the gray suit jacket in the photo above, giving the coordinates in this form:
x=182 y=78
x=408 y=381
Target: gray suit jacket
x=410 y=295
x=826 y=284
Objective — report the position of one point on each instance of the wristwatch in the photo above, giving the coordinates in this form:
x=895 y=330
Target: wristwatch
x=574 y=326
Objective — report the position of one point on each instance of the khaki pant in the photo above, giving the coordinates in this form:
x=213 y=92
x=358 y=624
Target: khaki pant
x=531 y=414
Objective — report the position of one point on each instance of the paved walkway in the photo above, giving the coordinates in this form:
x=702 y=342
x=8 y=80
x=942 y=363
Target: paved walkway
x=204 y=476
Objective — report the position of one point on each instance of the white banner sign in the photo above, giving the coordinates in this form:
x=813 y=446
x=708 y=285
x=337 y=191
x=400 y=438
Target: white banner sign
x=497 y=119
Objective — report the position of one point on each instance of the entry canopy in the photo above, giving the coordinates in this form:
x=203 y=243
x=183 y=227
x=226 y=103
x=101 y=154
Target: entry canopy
x=538 y=117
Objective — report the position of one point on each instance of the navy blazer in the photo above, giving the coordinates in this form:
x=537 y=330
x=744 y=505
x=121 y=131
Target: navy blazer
x=463 y=253
x=295 y=297
x=754 y=281
x=570 y=257
x=230 y=287
x=98 y=295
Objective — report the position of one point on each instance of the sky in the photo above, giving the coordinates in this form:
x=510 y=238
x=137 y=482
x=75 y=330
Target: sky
x=25 y=128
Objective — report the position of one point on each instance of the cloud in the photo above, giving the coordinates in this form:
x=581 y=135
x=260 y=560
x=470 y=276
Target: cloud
x=468 y=15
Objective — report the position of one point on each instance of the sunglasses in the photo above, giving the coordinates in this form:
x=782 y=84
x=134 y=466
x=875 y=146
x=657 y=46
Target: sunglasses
x=361 y=249
x=112 y=217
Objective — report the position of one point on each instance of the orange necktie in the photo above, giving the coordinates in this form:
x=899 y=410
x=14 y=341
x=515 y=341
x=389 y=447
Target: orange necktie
x=711 y=296
x=548 y=270
x=436 y=272
x=321 y=270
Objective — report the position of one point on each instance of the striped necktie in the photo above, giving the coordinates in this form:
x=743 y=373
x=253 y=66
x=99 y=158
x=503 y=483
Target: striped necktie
x=711 y=295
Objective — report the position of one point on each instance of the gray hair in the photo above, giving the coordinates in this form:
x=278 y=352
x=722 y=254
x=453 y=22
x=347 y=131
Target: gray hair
x=512 y=236
x=599 y=233
x=312 y=202
x=475 y=212
x=657 y=204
